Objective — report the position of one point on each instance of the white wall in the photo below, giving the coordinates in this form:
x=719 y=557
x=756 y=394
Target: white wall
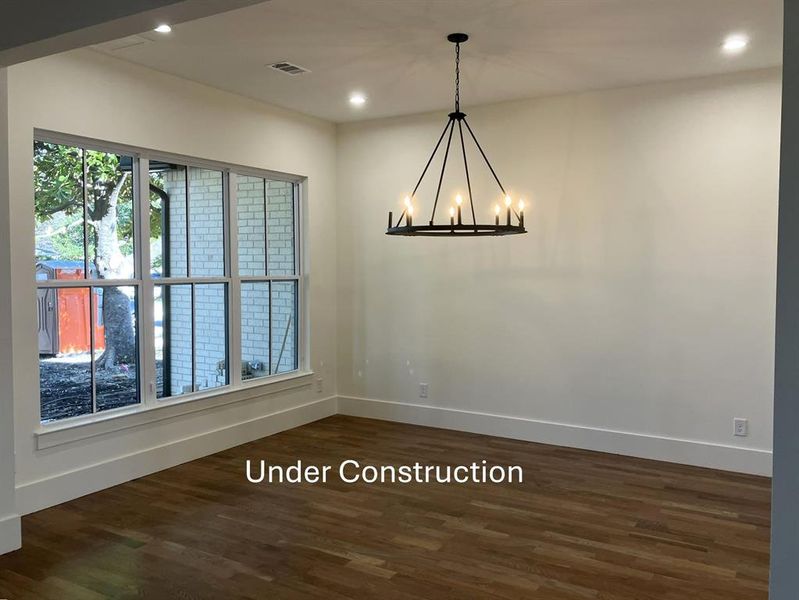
x=637 y=316
x=9 y=519
x=88 y=94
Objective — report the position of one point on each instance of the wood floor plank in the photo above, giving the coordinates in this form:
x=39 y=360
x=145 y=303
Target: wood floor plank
x=582 y=526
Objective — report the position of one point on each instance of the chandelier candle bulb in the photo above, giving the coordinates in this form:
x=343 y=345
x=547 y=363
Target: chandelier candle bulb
x=459 y=201
x=521 y=213
x=409 y=216
x=508 y=202
x=451 y=217
x=389 y=219
x=496 y=215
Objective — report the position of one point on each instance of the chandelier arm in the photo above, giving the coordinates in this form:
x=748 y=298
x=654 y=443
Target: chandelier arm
x=443 y=168
x=485 y=158
x=479 y=147
x=468 y=180
x=430 y=160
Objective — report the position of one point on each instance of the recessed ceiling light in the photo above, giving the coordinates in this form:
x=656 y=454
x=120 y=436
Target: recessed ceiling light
x=163 y=28
x=735 y=43
x=357 y=99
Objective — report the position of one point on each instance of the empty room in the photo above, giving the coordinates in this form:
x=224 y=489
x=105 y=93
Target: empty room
x=399 y=299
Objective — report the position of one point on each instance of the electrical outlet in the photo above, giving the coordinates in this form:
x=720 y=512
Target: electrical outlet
x=423 y=390
x=319 y=384
x=740 y=427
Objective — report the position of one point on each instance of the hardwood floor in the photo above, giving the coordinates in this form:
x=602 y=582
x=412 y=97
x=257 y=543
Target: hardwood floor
x=583 y=525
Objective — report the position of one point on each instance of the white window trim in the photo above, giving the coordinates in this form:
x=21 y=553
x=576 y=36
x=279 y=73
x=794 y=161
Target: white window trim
x=151 y=409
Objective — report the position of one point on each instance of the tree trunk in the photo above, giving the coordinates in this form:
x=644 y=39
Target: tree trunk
x=120 y=340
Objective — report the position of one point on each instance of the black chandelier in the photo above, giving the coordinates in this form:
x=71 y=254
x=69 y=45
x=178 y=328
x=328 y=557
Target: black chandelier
x=513 y=222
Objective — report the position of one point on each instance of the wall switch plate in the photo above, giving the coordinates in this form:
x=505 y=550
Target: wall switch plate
x=740 y=427
x=319 y=384
x=423 y=390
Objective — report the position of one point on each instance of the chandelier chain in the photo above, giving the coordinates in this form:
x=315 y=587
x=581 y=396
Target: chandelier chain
x=457 y=77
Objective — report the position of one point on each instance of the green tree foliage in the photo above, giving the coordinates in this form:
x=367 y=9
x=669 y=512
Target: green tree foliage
x=58 y=187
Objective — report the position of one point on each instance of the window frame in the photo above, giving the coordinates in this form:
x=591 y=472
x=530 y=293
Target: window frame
x=145 y=283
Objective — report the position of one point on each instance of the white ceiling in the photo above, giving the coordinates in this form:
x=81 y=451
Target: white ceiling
x=31 y=29
x=395 y=51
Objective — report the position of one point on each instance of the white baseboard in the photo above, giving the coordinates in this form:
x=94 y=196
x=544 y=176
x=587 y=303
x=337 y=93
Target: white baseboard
x=10 y=533
x=50 y=491
x=689 y=452
x=63 y=487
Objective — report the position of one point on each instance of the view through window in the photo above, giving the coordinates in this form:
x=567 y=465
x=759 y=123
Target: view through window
x=93 y=273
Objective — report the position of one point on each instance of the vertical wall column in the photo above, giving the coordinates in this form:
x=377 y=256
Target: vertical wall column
x=9 y=519
x=785 y=512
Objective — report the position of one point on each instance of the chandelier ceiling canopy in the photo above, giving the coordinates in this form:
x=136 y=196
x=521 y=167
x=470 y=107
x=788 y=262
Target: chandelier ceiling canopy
x=511 y=223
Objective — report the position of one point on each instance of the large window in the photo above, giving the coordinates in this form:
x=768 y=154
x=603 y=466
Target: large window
x=159 y=278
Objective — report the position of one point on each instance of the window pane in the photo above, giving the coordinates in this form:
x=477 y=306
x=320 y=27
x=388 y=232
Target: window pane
x=284 y=326
x=190 y=338
x=280 y=228
x=58 y=206
x=255 y=359
x=109 y=198
x=65 y=371
x=173 y=337
x=116 y=348
x=210 y=308
x=251 y=211
x=206 y=223
x=168 y=242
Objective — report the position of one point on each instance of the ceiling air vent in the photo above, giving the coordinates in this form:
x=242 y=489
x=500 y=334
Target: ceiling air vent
x=123 y=43
x=288 y=68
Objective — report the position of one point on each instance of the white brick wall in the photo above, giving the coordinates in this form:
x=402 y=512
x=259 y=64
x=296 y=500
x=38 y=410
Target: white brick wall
x=179 y=340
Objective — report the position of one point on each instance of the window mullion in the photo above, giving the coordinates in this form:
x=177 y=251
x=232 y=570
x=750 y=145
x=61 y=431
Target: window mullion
x=270 y=328
x=188 y=227
x=193 y=338
x=266 y=273
x=79 y=283
x=146 y=297
x=301 y=343
x=87 y=279
x=234 y=287
x=85 y=190
x=92 y=349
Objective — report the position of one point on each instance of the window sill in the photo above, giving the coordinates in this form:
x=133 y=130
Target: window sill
x=58 y=434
